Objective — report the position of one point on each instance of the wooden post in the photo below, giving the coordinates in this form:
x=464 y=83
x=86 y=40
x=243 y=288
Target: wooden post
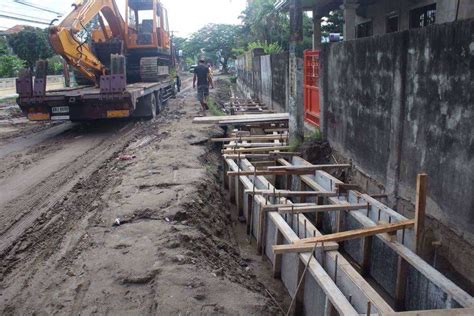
x=240 y=197
x=259 y=233
x=225 y=179
x=420 y=211
x=401 y=284
x=231 y=189
x=277 y=258
x=250 y=199
x=365 y=265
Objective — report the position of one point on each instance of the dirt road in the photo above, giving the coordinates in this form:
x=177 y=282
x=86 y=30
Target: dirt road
x=83 y=232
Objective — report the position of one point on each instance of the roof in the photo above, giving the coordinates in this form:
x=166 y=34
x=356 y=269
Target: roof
x=324 y=6
x=15 y=29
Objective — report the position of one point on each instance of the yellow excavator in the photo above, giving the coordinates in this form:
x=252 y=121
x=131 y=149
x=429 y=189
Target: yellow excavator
x=122 y=65
x=143 y=38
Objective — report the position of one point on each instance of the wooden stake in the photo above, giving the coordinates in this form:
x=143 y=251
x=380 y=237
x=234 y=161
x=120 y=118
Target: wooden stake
x=420 y=211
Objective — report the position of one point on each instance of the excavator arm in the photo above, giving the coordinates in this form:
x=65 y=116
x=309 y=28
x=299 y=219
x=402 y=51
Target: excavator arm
x=64 y=40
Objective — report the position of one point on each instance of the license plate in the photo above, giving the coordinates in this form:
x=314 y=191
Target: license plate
x=59 y=117
x=60 y=109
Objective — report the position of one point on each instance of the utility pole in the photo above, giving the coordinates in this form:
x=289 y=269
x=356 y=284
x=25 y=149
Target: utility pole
x=295 y=99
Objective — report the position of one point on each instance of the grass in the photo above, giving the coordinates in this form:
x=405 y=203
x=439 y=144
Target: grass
x=214 y=108
x=316 y=135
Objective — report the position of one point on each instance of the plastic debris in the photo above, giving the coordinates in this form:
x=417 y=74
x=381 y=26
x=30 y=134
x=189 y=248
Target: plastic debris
x=127 y=157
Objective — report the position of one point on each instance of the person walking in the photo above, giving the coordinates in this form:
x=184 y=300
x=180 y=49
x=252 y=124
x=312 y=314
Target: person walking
x=203 y=77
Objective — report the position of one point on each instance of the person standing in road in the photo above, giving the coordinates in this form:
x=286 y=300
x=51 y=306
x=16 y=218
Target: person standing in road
x=203 y=77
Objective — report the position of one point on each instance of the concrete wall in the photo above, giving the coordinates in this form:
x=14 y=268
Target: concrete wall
x=264 y=77
x=400 y=104
x=378 y=12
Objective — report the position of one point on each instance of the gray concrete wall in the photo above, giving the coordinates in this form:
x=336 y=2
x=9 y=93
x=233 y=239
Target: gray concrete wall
x=264 y=77
x=400 y=104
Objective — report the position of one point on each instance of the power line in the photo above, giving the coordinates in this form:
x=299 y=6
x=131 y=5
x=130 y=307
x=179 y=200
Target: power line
x=37 y=7
x=24 y=16
x=23 y=19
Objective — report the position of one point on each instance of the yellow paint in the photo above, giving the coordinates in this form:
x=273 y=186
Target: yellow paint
x=118 y=113
x=38 y=116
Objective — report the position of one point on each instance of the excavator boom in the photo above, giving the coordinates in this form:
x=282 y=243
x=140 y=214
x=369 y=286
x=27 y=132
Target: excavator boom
x=65 y=42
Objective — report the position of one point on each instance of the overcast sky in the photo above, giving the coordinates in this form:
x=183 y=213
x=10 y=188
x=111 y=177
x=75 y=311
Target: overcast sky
x=185 y=16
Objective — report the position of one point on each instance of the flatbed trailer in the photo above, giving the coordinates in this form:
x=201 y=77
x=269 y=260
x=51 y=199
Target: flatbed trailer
x=112 y=99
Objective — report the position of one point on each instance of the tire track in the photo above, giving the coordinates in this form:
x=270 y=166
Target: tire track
x=62 y=182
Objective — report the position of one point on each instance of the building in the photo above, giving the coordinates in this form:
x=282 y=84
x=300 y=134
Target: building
x=377 y=17
x=371 y=17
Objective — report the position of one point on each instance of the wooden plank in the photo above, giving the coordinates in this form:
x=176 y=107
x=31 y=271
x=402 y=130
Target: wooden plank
x=312 y=207
x=420 y=211
x=255 y=121
x=309 y=168
x=250 y=117
x=358 y=233
x=302 y=248
x=250 y=138
x=294 y=171
x=435 y=312
x=286 y=193
x=250 y=150
x=250 y=145
x=273 y=155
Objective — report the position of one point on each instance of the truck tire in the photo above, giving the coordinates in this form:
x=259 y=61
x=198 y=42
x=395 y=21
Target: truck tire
x=159 y=104
x=146 y=107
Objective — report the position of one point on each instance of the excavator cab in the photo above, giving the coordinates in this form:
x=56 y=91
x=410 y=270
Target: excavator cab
x=147 y=25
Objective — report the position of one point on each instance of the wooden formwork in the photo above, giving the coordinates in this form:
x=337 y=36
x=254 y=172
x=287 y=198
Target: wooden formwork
x=365 y=262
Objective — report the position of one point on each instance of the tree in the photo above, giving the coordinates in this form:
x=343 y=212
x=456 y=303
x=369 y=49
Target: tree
x=272 y=48
x=217 y=40
x=10 y=66
x=31 y=44
x=3 y=46
x=263 y=23
x=333 y=23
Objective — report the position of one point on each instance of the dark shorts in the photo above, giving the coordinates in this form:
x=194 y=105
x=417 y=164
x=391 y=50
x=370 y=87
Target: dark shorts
x=202 y=92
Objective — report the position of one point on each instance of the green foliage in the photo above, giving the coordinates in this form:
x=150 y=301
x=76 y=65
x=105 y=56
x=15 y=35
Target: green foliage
x=263 y=23
x=55 y=65
x=214 y=108
x=3 y=46
x=215 y=42
x=315 y=135
x=334 y=23
x=272 y=48
x=10 y=66
x=30 y=45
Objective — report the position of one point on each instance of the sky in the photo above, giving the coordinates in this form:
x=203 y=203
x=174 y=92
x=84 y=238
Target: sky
x=185 y=16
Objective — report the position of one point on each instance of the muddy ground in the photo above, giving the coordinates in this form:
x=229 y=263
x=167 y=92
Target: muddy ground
x=125 y=218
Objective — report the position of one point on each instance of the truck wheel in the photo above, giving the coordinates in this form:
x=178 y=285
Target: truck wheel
x=152 y=106
x=159 y=104
x=146 y=107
